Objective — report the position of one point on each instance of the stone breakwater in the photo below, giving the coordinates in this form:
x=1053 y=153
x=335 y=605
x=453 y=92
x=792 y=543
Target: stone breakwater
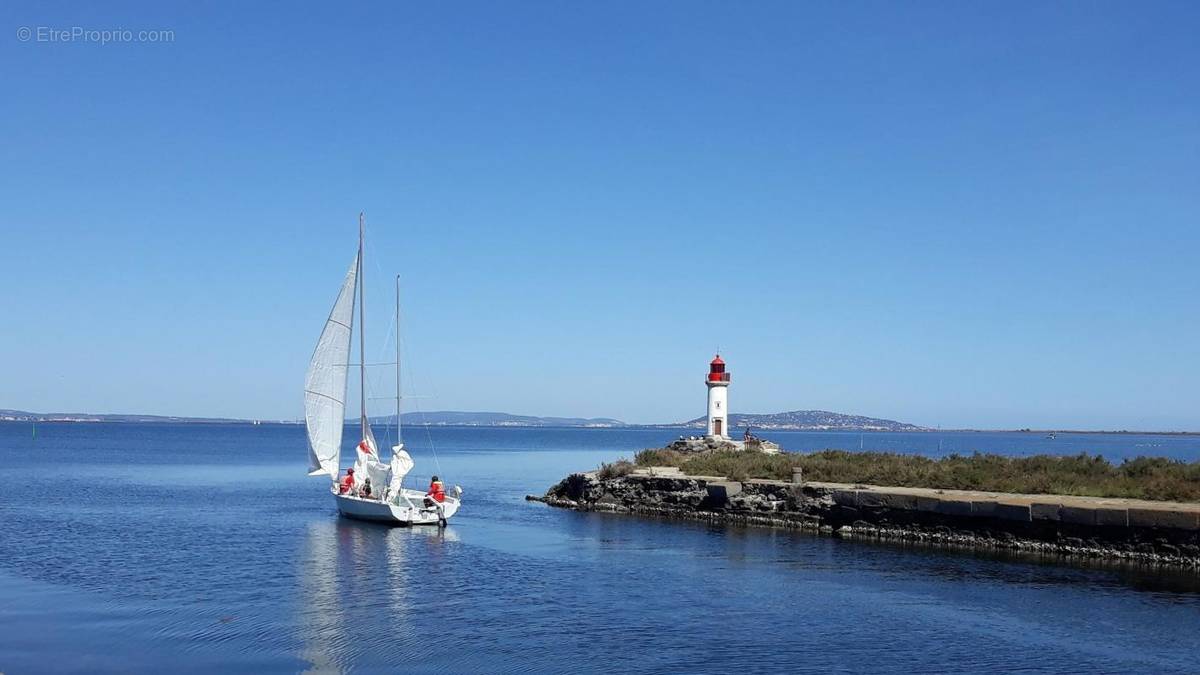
x=1088 y=527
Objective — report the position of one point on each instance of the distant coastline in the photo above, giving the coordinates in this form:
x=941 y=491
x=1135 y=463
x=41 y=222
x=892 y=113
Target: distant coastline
x=1130 y=432
x=799 y=420
x=50 y=418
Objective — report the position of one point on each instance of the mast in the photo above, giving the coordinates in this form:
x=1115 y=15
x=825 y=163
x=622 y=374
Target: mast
x=362 y=325
x=399 y=442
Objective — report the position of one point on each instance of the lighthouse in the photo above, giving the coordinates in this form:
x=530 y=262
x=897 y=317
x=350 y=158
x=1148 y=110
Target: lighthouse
x=718 y=399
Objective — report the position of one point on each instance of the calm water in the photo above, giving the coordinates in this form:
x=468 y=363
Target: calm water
x=196 y=548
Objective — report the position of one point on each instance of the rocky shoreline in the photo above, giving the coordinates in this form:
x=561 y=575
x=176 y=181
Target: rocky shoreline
x=1159 y=533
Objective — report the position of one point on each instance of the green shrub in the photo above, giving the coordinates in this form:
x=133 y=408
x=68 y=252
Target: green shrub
x=658 y=457
x=621 y=467
x=1155 y=478
x=739 y=465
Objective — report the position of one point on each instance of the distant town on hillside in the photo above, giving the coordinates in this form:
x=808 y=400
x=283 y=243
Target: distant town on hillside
x=809 y=420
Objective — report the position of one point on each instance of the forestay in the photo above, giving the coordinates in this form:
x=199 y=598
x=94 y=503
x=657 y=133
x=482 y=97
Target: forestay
x=325 y=384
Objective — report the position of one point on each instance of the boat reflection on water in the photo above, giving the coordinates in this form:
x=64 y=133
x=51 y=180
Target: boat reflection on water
x=358 y=584
x=318 y=613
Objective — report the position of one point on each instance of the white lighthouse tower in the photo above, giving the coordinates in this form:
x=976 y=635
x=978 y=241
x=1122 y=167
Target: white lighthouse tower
x=718 y=399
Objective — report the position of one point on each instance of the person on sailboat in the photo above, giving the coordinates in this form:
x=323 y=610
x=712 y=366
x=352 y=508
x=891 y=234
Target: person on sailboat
x=347 y=485
x=366 y=489
x=436 y=492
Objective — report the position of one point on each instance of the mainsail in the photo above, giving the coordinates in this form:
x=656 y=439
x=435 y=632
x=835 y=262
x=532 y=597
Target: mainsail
x=325 y=384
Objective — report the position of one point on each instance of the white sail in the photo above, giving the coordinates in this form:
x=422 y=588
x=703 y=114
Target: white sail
x=325 y=384
x=402 y=463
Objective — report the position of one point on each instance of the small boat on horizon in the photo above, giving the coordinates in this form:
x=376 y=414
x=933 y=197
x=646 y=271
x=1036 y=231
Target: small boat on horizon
x=385 y=499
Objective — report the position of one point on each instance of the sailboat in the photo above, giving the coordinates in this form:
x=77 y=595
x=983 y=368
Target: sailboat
x=324 y=418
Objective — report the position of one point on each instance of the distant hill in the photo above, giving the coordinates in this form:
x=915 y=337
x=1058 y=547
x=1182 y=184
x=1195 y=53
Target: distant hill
x=444 y=418
x=23 y=416
x=808 y=420
x=816 y=420
x=439 y=418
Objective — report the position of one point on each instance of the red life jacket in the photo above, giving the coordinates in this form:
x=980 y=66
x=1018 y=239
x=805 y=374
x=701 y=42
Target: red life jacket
x=347 y=484
x=437 y=491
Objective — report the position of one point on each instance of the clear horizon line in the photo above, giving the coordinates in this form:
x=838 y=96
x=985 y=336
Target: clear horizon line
x=918 y=428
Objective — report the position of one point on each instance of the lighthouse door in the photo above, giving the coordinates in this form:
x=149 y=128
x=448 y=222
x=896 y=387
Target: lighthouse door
x=717 y=428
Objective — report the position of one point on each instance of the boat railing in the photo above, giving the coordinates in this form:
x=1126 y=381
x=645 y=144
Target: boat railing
x=422 y=483
x=412 y=483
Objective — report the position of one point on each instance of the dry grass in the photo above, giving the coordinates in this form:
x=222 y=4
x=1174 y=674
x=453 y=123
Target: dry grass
x=1086 y=475
x=621 y=467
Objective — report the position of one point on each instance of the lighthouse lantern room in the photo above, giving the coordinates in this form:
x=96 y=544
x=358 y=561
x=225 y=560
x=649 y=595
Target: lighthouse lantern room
x=718 y=399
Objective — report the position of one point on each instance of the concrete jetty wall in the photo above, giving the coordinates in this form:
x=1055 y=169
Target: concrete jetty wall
x=1161 y=532
x=1019 y=508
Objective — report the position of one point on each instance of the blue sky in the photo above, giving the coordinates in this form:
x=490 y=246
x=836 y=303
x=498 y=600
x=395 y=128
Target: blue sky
x=955 y=214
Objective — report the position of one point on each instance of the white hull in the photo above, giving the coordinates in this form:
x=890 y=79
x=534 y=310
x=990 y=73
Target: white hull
x=408 y=509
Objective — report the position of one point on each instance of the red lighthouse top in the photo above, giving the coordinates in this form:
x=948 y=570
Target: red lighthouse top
x=716 y=370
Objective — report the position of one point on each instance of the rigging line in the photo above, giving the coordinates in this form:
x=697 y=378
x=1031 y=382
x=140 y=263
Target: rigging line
x=386 y=341
x=424 y=422
x=369 y=383
x=395 y=325
x=428 y=436
x=362 y=332
x=399 y=381
x=373 y=387
x=373 y=382
x=383 y=345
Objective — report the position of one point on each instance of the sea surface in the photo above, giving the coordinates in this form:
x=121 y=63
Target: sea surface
x=202 y=548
